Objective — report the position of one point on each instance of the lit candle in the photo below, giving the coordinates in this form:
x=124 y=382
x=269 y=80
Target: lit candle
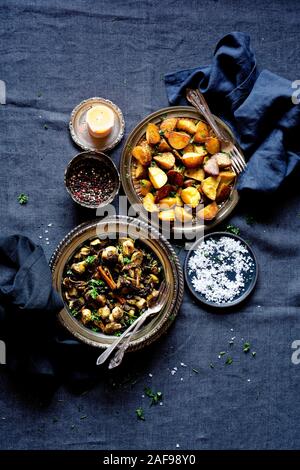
x=100 y=121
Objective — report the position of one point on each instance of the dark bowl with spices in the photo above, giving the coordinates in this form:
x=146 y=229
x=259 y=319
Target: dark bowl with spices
x=92 y=179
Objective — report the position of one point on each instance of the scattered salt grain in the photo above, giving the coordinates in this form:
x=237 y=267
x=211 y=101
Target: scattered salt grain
x=161 y=403
x=173 y=371
x=177 y=445
x=231 y=329
x=220 y=268
x=175 y=368
x=248 y=380
x=46 y=231
x=40 y=237
x=47 y=243
x=150 y=375
x=46 y=239
x=50 y=225
x=181 y=378
x=183 y=364
x=143 y=396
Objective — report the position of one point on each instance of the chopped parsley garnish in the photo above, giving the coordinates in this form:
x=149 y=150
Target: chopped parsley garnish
x=69 y=272
x=94 y=293
x=222 y=353
x=90 y=259
x=74 y=312
x=195 y=370
x=23 y=199
x=246 y=347
x=155 y=397
x=96 y=283
x=211 y=365
x=172 y=194
x=117 y=333
x=126 y=260
x=229 y=360
x=45 y=127
x=233 y=229
x=140 y=414
x=95 y=329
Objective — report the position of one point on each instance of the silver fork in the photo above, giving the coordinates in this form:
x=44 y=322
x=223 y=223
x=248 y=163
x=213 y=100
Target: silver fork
x=198 y=101
x=156 y=308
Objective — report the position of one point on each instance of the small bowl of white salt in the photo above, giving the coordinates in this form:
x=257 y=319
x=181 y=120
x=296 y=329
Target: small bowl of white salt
x=221 y=269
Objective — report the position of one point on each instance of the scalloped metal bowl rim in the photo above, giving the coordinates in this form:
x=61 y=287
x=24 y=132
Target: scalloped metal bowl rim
x=125 y=167
x=93 y=154
x=94 y=339
x=118 y=112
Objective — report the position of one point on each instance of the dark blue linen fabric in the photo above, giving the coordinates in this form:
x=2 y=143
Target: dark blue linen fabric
x=257 y=105
x=55 y=54
x=39 y=353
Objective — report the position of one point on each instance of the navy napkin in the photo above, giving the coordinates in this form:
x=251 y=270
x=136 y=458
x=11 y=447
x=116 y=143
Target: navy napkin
x=39 y=352
x=257 y=105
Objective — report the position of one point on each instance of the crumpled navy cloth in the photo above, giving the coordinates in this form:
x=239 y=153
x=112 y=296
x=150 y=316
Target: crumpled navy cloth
x=256 y=105
x=38 y=351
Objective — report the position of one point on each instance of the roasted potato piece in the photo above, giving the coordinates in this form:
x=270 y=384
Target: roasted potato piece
x=141 y=172
x=152 y=134
x=167 y=202
x=157 y=177
x=209 y=187
x=168 y=215
x=164 y=146
x=223 y=192
x=175 y=177
x=201 y=132
x=149 y=204
x=163 y=192
x=142 y=153
x=188 y=148
x=211 y=167
x=168 y=124
x=227 y=176
x=209 y=212
x=145 y=186
x=190 y=196
x=223 y=159
x=192 y=159
x=195 y=174
x=200 y=149
x=165 y=160
x=182 y=214
x=178 y=140
x=212 y=145
x=186 y=125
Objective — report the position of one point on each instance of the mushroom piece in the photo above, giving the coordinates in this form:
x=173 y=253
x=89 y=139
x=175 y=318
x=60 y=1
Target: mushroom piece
x=110 y=253
x=101 y=299
x=84 y=251
x=77 y=303
x=137 y=257
x=96 y=243
x=153 y=296
x=79 y=268
x=104 y=312
x=141 y=303
x=112 y=327
x=117 y=312
x=127 y=245
x=86 y=315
